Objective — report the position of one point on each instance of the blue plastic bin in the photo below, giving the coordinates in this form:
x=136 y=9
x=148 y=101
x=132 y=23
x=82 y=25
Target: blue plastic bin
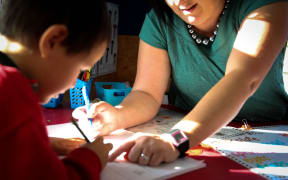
x=112 y=92
x=76 y=96
x=54 y=102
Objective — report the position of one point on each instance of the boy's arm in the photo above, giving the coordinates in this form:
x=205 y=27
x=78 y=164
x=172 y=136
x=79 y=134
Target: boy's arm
x=82 y=163
x=63 y=146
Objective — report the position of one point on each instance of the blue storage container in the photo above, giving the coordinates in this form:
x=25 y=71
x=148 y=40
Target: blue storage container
x=54 y=102
x=112 y=92
x=76 y=96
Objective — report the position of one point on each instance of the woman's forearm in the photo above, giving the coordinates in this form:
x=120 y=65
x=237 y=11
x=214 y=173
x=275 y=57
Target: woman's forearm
x=138 y=107
x=218 y=107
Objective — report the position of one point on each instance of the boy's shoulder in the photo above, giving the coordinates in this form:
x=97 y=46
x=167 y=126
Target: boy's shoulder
x=10 y=75
x=14 y=84
x=18 y=101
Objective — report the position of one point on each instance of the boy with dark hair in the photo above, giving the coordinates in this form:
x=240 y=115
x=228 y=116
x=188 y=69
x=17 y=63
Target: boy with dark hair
x=43 y=46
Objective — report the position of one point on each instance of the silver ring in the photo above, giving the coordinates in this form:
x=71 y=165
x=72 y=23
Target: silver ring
x=144 y=157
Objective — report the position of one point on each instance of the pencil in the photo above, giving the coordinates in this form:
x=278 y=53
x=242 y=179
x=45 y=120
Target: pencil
x=76 y=124
x=87 y=102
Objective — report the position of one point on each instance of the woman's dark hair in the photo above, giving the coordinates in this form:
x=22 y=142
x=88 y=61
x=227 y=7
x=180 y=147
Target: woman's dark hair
x=161 y=9
x=26 y=20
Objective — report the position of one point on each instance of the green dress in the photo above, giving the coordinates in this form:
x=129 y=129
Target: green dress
x=196 y=69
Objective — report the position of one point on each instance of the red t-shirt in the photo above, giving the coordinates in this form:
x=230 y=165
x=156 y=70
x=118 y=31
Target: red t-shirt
x=25 y=151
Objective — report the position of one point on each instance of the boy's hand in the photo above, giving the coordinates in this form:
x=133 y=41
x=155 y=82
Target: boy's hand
x=63 y=146
x=101 y=149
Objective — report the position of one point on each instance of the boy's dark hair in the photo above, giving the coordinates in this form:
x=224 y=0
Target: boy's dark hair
x=162 y=10
x=26 y=20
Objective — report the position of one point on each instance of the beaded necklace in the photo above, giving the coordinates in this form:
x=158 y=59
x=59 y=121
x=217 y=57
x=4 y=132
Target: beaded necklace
x=199 y=39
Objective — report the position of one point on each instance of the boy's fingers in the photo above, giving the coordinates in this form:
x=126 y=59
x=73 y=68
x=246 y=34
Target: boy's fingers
x=109 y=146
x=99 y=138
x=124 y=148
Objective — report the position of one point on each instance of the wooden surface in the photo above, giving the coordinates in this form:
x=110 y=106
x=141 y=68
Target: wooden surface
x=126 y=60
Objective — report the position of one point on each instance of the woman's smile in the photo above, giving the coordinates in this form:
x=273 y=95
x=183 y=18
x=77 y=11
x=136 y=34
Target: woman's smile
x=189 y=10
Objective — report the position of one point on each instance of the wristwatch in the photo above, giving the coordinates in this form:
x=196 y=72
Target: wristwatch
x=180 y=141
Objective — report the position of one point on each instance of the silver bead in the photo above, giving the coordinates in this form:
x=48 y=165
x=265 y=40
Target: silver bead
x=217 y=25
x=194 y=36
x=189 y=26
x=191 y=31
x=215 y=32
x=198 y=40
x=205 y=42
x=212 y=38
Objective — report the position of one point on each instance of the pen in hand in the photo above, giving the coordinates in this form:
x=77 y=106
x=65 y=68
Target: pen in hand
x=87 y=102
x=77 y=126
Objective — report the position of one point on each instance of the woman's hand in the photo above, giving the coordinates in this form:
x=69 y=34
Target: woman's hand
x=145 y=149
x=105 y=117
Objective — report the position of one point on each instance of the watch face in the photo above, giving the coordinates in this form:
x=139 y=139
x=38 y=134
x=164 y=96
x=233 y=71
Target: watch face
x=179 y=137
x=180 y=141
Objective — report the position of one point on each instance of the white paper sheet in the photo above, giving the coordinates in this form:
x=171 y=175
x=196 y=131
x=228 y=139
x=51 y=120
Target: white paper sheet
x=130 y=171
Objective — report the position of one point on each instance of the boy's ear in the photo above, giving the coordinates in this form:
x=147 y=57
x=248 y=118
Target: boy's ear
x=51 y=38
